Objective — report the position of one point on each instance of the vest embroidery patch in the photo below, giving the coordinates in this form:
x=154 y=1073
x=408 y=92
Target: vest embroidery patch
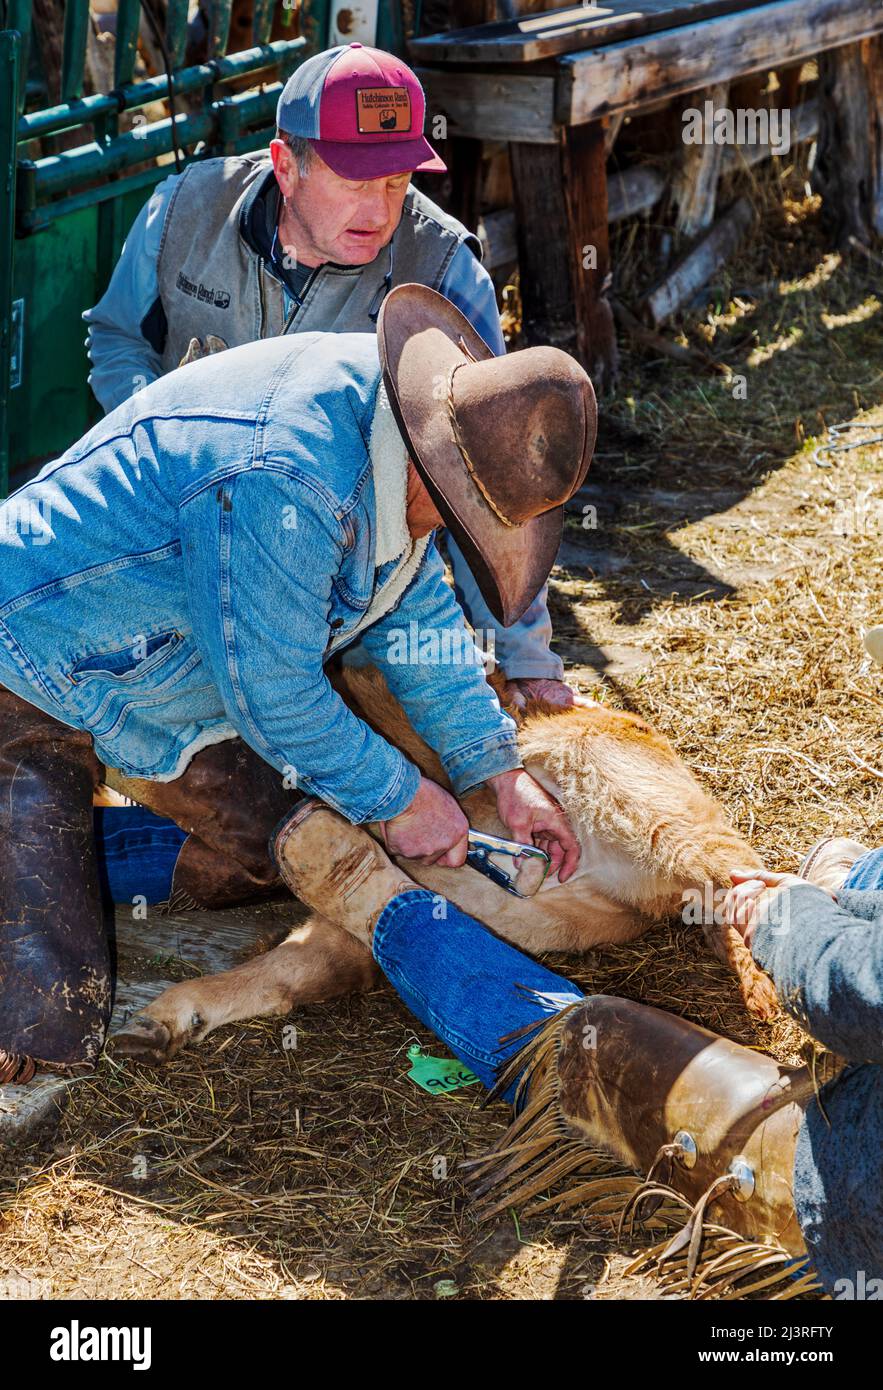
x=383 y=110
x=219 y=298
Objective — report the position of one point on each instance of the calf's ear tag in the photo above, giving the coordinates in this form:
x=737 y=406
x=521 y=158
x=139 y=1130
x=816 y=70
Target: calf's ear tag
x=438 y=1074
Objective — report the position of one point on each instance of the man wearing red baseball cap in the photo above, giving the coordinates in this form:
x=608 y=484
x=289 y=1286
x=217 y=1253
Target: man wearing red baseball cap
x=240 y=248
x=309 y=237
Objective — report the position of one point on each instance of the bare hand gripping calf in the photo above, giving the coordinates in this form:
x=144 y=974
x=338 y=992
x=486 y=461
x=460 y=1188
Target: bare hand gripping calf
x=163 y=670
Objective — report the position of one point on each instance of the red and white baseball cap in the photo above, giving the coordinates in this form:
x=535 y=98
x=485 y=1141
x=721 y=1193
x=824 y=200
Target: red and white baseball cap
x=362 y=111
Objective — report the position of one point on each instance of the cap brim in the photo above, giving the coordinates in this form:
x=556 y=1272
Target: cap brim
x=376 y=160
x=419 y=333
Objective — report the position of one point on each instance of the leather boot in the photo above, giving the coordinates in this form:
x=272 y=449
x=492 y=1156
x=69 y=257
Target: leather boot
x=337 y=868
x=711 y=1121
x=829 y=861
x=229 y=801
x=55 y=976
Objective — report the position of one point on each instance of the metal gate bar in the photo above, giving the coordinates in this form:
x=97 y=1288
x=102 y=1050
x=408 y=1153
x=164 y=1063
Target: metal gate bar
x=94 y=177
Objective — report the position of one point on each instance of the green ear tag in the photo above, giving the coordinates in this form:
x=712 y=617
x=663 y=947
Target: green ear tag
x=438 y=1074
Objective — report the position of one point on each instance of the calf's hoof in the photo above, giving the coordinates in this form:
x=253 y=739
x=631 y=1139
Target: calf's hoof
x=143 y=1039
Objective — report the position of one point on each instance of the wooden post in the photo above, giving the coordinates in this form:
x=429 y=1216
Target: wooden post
x=694 y=188
x=848 y=171
x=585 y=188
x=696 y=268
x=463 y=157
x=564 y=252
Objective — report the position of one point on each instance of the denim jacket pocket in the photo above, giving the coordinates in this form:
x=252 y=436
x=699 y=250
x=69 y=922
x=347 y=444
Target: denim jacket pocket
x=129 y=662
x=106 y=685
x=346 y=611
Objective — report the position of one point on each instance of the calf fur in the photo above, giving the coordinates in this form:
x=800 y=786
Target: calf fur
x=648 y=831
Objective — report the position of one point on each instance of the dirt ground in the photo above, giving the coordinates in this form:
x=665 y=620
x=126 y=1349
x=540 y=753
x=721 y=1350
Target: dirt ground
x=720 y=588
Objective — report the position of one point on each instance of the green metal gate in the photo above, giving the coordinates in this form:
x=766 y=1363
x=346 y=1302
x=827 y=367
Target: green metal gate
x=64 y=216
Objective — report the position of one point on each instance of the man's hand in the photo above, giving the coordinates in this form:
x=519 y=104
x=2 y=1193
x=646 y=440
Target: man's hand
x=533 y=817
x=431 y=830
x=554 y=692
x=753 y=891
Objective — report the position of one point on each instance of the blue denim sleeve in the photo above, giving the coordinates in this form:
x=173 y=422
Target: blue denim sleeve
x=261 y=553
x=123 y=361
x=827 y=966
x=432 y=666
x=467 y=284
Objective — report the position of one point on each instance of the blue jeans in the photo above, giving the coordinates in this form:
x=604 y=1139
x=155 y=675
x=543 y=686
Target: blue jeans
x=866 y=872
x=137 y=852
x=465 y=984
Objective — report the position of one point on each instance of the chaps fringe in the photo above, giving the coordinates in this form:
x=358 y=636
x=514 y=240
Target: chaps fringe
x=539 y=1151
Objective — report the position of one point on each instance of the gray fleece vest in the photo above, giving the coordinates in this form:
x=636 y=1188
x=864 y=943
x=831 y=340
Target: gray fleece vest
x=212 y=281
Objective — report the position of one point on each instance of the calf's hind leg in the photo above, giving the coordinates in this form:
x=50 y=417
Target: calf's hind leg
x=317 y=961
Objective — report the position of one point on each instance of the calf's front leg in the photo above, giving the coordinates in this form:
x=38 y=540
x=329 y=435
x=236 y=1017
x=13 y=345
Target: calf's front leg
x=318 y=961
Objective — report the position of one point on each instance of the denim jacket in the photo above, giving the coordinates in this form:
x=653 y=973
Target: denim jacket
x=183 y=574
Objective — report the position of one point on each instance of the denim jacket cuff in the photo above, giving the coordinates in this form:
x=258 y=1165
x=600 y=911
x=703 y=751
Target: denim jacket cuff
x=474 y=764
x=397 y=797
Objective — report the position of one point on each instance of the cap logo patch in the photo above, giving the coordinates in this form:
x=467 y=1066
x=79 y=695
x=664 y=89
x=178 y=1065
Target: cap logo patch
x=383 y=110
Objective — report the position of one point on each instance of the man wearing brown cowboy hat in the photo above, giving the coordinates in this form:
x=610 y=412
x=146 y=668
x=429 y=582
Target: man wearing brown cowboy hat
x=309 y=236
x=200 y=558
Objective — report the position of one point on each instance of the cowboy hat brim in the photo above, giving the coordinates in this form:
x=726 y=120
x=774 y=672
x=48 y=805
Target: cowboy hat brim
x=420 y=335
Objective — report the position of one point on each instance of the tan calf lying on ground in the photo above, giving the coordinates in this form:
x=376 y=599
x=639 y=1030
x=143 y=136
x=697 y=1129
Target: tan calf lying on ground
x=648 y=831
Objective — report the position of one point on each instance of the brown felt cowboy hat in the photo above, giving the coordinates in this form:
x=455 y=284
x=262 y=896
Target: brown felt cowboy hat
x=500 y=442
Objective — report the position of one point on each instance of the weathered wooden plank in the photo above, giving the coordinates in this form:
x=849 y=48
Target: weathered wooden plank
x=585 y=190
x=496 y=232
x=131 y=997
x=561 y=221
x=544 y=251
x=492 y=107
x=639 y=188
x=696 y=268
x=207 y=941
x=633 y=191
x=553 y=32
x=848 y=170
x=625 y=75
x=804 y=126
x=23 y=1108
x=694 y=186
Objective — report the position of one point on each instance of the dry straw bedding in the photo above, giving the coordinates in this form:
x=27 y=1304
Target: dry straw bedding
x=244 y=1170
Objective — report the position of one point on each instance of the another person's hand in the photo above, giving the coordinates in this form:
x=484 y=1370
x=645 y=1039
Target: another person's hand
x=532 y=816
x=431 y=830
x=752 y=894
x=554 y=692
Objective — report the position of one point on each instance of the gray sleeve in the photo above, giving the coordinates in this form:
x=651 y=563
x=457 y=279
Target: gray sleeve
x=865 y=903
x=467 y=284
x=827 y=965
x=123 y=361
